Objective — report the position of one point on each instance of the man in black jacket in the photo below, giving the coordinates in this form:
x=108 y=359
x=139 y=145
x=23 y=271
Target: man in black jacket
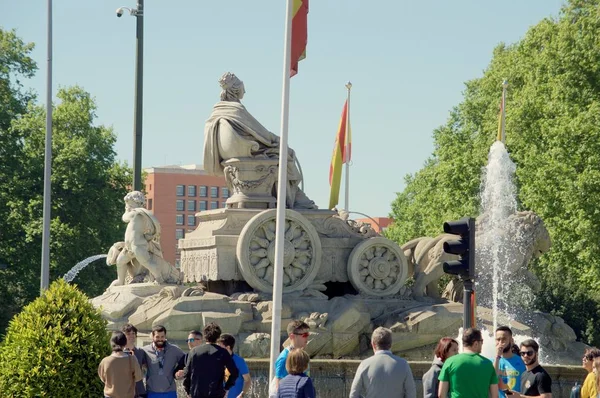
x=204 y=373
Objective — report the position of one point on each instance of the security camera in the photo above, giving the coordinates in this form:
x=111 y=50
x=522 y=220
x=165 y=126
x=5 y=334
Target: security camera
x=119 y=12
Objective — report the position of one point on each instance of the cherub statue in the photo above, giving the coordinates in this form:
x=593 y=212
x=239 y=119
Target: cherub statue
x=140 y=252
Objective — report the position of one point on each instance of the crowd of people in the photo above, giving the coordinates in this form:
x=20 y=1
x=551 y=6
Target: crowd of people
x=514 y=372
x=211 y=369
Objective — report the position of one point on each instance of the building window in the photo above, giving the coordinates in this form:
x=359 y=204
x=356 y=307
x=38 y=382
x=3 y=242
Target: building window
x=150 y=189
x=179 y=233
x=180 y=190
x=192 y=190
x=202 y=205
x=214 y=192
x=191 y=221
x=225 y=192
x=214 y=205
x=180 y=204
x=149 y=204
x=177 y=263
x=223 y=204
x=203 y=191
x=191 y=205
x=179 y=219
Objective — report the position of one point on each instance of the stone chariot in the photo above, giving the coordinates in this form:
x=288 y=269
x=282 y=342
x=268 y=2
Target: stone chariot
x=237 y=243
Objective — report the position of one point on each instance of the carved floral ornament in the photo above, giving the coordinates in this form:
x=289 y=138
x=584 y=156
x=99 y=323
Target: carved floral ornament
x=256 y=251
x=377 y=267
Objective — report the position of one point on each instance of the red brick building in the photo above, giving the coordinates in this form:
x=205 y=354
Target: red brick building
x=175 y=194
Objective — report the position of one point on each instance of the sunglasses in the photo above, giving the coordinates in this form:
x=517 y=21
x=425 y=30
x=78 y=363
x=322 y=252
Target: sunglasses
x=305 y=334
x=527 y=353
x=191 y=340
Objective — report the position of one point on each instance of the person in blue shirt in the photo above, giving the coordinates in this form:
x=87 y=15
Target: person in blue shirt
x=298 y=333
x=243 y=381
x=509 y=367
x=296 y=384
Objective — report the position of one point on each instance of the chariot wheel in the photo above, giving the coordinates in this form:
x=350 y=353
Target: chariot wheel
x=256 y=251
x=377 y=267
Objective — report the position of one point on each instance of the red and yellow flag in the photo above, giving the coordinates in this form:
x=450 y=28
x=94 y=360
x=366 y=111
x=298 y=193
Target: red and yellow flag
x=299 y=33
x=342 y=152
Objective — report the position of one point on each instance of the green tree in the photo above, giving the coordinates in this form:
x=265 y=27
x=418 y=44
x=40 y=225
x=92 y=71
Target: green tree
x=15 y=64
x=88 y=186
x=53 y=347
x=553 y=135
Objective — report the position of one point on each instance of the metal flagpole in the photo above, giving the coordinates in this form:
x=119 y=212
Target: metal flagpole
x=504 y=87
x=346 y=145
x=45 y=272
x=281 y=195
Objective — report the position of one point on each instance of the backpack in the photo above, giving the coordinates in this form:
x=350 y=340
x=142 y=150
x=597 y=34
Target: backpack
x=575 y=391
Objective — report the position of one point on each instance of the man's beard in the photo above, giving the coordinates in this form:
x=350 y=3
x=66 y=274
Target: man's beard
x=507 y=348
x=159 y=344
x=530 y=360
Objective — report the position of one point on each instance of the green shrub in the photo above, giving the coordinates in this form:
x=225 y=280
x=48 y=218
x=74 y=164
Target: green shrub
x=53 y=347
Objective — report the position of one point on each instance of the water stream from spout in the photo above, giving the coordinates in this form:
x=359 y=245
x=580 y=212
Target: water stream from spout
x=69 y=276
x=498 y=202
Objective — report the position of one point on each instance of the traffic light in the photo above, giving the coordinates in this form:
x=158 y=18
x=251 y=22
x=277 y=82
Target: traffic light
x=464 y=247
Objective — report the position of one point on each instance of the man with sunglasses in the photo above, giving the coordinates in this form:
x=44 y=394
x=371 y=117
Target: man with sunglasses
x=535 y=382
x=194 y=339
x=298 y=333
x=204 y=373
x=163 y=359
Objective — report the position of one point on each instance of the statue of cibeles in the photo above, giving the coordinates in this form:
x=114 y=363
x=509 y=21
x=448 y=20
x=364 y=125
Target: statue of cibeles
x=232 y=132
x=140 y=253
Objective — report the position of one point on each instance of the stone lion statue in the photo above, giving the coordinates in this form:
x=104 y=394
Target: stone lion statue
x=140 y=252
x=525 y=232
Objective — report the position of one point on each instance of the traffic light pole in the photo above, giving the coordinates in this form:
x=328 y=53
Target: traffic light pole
x=468 y=305
x=464 y=267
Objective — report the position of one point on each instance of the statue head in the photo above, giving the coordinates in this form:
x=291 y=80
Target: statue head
x=134 y=200
x=232 y=87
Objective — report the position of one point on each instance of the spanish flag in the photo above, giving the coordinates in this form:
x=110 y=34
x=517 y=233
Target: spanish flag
x=342 y=152
x=299 y=33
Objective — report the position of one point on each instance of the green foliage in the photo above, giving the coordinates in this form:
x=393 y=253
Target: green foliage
x=88 y=185
x=53 y=347
x=553 y=135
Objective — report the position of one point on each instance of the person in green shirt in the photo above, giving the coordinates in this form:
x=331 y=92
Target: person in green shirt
x=469 y=375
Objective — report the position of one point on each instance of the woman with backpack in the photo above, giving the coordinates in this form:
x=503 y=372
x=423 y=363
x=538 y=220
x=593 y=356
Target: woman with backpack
x=446 y=348
x=119 y=371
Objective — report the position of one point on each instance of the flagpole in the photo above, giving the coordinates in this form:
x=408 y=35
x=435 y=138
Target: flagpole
x=504 y=87
x=347 y=184
x=281 y=195
x=45 y=271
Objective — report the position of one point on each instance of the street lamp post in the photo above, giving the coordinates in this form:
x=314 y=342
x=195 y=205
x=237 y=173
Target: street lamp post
x=137 y=12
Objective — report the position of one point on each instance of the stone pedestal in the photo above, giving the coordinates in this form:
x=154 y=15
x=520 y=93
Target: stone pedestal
x=118 y=302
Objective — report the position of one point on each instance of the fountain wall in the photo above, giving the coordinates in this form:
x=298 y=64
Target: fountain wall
x=333 y=378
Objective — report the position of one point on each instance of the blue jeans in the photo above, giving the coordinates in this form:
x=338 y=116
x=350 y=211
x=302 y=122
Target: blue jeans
x=170 y=394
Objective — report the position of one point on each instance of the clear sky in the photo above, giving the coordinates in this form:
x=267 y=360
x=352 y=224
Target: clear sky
x=407 y=60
